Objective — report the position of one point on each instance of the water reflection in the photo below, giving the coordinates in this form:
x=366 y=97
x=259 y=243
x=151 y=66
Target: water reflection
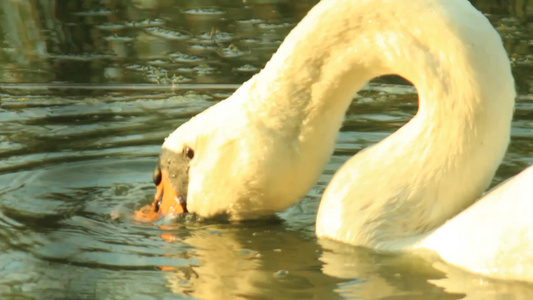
x=376 y=276
x=142 y=41
x=178 y=41
x=249 y=261
x=76 y=162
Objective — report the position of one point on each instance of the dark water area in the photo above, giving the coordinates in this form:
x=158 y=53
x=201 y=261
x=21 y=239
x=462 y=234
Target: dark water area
x=88 y=92
x=142 y=41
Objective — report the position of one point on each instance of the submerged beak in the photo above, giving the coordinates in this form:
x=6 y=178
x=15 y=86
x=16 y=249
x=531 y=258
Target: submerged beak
x=166 y=201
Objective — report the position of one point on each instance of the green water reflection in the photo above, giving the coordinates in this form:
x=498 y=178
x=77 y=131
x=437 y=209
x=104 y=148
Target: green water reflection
x=179 y=41
x=142 y=41
x=76 y=163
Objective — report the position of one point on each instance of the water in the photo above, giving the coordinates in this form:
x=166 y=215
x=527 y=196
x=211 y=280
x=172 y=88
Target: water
x=89 y=91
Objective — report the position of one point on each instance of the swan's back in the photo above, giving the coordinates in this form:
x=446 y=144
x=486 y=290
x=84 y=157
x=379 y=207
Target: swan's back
x=495 y=235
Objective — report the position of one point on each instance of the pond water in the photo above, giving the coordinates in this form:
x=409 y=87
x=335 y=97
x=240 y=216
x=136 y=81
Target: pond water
x=88 y=92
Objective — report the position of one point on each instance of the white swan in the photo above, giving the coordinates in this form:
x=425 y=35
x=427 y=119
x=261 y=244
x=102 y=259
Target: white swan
x=264 y=147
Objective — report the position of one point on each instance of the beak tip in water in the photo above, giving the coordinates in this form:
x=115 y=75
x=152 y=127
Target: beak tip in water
x=166 y=202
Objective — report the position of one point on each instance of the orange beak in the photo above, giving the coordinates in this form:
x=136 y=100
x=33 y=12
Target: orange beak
x=165 y=202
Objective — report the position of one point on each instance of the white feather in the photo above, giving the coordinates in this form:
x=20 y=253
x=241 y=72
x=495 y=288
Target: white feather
x=263 y=148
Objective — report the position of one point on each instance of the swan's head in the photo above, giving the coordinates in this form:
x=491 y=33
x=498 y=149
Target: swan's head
x=226 y=161
x=194 y=156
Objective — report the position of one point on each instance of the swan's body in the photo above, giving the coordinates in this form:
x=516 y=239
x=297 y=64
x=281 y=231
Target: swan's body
x=263 y=148
x=494 y=236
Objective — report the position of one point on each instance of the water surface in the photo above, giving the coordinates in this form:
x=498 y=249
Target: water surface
x=89 y=91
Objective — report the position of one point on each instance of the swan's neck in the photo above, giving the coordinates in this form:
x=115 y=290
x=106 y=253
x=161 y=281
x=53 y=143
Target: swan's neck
x=431 y=168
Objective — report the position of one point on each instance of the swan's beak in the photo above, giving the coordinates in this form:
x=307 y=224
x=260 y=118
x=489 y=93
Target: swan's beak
x=166 y=201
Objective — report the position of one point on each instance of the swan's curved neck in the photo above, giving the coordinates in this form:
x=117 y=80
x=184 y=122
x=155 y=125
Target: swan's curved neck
x=454 y=58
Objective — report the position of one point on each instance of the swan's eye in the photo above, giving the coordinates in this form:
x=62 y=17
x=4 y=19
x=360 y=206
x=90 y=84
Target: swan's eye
x=188 y=152
x=157 y=176
x=158 y=205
